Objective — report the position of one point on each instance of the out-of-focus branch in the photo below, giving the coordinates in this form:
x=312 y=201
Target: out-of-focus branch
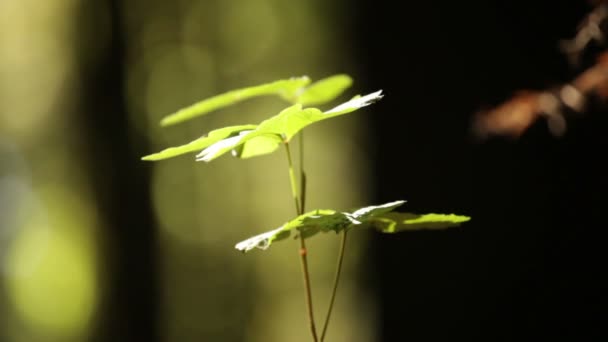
x=591 y=29
x=514 y=116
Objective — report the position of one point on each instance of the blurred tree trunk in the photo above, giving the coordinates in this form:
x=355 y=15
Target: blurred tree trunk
x=121 y=184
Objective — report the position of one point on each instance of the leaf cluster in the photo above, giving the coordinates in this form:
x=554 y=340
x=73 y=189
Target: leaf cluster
x=246 y=141
x=251 y=140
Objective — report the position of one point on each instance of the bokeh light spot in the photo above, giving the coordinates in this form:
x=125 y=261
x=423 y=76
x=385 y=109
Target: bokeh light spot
x=51 y=278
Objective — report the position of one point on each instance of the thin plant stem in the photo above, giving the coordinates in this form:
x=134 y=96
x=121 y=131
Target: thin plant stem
x=336 y=280
x=303 y=251
x=292 y=179
x=302 y=174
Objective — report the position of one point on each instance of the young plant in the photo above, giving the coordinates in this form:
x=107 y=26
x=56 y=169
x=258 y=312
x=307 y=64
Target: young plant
x=246 y=141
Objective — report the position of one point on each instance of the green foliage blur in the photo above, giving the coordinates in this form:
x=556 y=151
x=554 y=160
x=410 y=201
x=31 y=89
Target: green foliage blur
x=56 y=241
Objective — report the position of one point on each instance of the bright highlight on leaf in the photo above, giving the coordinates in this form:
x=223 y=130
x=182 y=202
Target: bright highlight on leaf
x=287 y=89
x=356 y=103
x=200 y=143
x=375 y=210
x=378 y=217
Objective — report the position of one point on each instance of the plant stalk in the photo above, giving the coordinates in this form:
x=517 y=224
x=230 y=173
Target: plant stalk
x=302 y=174
x=303 y=251
x=336 y=280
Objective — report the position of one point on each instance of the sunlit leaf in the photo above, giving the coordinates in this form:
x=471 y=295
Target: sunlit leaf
x=282 y=127
x=379 y=217
x=306 y=223
x=375 y=210
x=248 y=141
x=257 y=146
x=263 y=241
x=287 y=89
x=260 y=143
x=397 y=222
x=317 y=221
x=325 y=90
x=355 y=103
x=290 y=121
x=200 y=143
x=221 y=147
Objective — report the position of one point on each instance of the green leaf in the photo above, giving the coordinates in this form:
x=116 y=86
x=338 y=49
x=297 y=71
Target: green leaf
x=269 y=133
x=366 y=213
x=379 y=217
x=305 y=223
x=398 y=222
x=200 y=143
x=355 y=103
x=257 y=146
x=248 y=141
x=263 y=241
x=287 y=89
x=325 y=90
x=317 y=221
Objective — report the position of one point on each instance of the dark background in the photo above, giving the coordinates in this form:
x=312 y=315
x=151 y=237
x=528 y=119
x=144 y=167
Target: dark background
x=531 y=263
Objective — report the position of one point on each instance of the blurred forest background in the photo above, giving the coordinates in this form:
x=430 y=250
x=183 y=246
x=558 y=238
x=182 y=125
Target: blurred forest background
x=96 y=245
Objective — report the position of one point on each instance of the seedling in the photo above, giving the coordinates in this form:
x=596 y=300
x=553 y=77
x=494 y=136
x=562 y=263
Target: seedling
x=247 y=141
